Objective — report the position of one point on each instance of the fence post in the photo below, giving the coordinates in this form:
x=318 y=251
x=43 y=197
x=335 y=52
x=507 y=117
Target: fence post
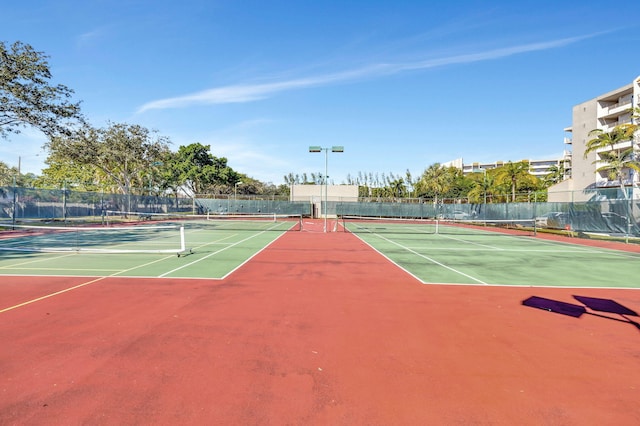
x=13 y=208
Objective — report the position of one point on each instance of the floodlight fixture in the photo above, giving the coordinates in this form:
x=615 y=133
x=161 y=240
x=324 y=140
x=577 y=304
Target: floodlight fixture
x=326 y=172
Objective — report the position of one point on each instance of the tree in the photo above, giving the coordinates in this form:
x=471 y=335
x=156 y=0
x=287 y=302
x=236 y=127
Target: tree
x=7 y=174
x=28 y=99
x=436 y=180
x=62 y=172
x=409 y=183
x=397 y=188
x=555 y=175
x=10 y=176
x=609 y=140
x=200 y=171
x=460 y=184
x=122 y=155
x=251 y=186
x=483 y=186
x=291 y=179
x=617 y=160
x=512 y=174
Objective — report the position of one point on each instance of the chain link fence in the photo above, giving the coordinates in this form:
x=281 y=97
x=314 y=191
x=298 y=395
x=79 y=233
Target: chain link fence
x=27 y=204
x=604 y=212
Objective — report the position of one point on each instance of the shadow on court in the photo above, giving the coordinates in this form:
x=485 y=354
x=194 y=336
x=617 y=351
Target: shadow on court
x=588 y=304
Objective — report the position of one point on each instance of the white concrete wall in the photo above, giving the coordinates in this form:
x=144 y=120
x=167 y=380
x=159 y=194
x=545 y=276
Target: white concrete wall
x=315 y=194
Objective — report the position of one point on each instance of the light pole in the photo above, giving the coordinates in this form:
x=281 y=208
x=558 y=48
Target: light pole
x=326 y=171
x=484 y=188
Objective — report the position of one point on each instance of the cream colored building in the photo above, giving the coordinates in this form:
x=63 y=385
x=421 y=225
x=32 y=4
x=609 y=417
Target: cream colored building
x=316 y=196
x=603 y=112
x=539 y=168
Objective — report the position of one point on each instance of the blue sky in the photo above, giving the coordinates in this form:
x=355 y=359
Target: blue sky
x=400 y=84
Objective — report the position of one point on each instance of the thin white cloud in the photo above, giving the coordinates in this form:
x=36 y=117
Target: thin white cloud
x=244 y=154
x=89 y=38
x=253 y=92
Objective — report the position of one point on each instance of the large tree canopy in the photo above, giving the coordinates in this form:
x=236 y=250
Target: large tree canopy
x=437 y=180
x=26 y=96
x=200 y=171
x=122 y=155
x=516 y=176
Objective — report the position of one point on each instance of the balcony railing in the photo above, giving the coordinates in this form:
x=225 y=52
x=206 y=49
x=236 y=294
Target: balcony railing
x=616 y=147
x=612 y=183
x=616 y=108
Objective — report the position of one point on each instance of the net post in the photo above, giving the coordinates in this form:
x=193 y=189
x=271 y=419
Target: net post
x=183 y=246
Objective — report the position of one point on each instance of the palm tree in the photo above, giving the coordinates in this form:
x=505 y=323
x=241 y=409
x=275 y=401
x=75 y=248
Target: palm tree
x=410 y=184
x=483 y=187
x=608 y=140
x=555 y=175
x=617 y=160
x=397 y=188
x=435 y=179
x=512 y=173
x=616 y=164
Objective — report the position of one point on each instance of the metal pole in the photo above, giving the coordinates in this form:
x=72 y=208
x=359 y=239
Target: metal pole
x=326 y=187
x=64 y=202
x=13 y=212
x=485 y=187
x=325 y=183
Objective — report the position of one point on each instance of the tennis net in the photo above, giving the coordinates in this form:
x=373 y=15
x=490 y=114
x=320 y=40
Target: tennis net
x=213 y=221
x=93 y=239
x=380 y=225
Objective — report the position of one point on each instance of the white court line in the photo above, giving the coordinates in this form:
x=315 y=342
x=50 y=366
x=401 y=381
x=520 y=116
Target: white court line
x=424 y=257
x=531 y=250
x=252 y=256
x=470 y=242
x=66 y=269
x=572 y=248
x=95 y=280
x=214 y=253
x=596 y=250
x=42 y=259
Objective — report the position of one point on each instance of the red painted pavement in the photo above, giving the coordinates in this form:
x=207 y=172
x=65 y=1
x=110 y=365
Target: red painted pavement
x=316 y=330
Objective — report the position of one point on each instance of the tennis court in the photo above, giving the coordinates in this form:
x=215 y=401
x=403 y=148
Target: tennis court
x=433 y=252
x=463 y=253
x=192 y=247
x=318 y=328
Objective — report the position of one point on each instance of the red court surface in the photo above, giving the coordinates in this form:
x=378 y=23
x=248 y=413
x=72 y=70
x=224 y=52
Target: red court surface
x=318 y=329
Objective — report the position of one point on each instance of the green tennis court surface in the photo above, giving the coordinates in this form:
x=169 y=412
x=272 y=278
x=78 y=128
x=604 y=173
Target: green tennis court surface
x=463 y=255
x=432 y=252
x=192 y=249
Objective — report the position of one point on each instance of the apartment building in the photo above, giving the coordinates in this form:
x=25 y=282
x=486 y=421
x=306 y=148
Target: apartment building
x=539 y=168
x=603 y=112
